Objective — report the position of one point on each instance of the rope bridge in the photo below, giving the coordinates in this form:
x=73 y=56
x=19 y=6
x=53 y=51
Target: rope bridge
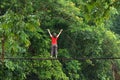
x=29 y=58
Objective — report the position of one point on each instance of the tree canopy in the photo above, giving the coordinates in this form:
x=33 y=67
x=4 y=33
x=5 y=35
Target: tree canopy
x=90 y=29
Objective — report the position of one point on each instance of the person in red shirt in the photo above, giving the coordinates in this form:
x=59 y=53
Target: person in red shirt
x=54 y=38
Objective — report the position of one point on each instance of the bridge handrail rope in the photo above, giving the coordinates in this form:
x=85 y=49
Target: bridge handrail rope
x=38 y=58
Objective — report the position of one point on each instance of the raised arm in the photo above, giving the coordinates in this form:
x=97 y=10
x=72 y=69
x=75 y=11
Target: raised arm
x=49 y=33
x=60 y=32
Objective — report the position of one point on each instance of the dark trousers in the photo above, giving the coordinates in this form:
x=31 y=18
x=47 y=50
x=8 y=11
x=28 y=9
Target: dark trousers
x=54 y=50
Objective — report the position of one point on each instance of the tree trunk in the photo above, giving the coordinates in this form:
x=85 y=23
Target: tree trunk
x=116 y=75
x=3 y=49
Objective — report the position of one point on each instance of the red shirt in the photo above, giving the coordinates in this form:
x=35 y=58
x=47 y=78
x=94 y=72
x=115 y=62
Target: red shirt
x=54 y=40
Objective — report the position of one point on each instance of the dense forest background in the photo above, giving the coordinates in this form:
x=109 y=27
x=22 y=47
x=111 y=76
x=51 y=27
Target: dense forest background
x=91 y=28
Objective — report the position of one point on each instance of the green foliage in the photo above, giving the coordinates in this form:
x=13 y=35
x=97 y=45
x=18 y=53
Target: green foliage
x=115 y=25
x=72 y=68
x=23 y=25
x=111 y=44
